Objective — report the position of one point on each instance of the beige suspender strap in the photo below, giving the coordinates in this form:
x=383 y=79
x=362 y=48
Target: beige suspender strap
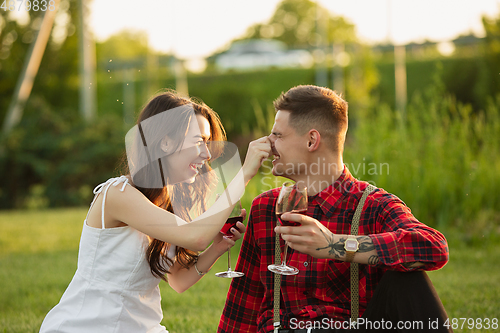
x=277 y=286
x=354 y=265
x=354 y=268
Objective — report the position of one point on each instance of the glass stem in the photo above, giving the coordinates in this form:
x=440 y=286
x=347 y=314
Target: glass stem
x=229 y=259
x=283 y=262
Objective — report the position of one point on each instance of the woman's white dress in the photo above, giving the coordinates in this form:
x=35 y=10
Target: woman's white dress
x=113 y=290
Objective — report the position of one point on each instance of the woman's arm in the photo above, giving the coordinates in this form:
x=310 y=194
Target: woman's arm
x=134 y=209
x=182 y=279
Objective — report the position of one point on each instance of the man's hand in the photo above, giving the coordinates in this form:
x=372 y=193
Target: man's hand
x=314 y=239
x=311 y=237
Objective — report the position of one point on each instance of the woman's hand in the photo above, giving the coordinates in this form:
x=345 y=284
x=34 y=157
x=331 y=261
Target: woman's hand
x=221 y=243
x=258 y=151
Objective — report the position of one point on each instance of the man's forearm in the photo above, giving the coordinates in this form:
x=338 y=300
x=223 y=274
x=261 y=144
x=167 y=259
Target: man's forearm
x=366 y=254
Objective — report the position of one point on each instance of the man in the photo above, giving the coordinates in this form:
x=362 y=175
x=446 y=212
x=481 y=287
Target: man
x=307 y=141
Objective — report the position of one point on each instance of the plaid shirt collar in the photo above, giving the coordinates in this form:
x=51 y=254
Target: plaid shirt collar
x=328 y=199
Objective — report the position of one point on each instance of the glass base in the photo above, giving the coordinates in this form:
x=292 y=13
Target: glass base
x=229 y=274
x=283 y=269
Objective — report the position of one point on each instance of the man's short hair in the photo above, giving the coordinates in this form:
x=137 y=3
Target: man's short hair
x=313 y=107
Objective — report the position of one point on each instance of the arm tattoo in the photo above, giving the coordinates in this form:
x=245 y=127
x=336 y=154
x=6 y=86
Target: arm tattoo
x=335 y=249
x=373 y=260
x=365 y=244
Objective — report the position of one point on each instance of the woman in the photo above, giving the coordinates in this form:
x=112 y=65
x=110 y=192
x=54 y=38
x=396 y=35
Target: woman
x=127 y=243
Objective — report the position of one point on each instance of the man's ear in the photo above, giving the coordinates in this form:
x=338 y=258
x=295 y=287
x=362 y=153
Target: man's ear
x=313 y=141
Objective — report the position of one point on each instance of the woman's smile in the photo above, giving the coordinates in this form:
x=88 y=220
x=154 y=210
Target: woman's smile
x=196 y=166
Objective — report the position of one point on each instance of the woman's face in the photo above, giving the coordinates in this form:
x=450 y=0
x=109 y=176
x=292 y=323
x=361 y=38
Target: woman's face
x=184 y=164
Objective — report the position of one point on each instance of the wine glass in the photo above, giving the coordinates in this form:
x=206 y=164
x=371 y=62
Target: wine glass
x=292 y=198
x=234 y=217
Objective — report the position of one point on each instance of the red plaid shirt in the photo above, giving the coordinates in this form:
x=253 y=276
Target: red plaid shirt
x=322 y=287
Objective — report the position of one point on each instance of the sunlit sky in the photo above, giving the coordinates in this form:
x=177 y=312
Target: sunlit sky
x=198 y=28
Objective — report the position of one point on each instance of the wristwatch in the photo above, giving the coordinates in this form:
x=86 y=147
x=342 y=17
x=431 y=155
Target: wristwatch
x=351 y=246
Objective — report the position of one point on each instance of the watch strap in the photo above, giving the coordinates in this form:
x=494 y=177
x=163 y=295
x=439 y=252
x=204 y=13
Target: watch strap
x=354 y=265
x=349 y=256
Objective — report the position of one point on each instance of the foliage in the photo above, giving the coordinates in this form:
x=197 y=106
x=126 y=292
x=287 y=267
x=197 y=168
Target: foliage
x=236 y=96
x=125 y=45
x=441 y=158
x=474 y=74
x=57 y=83
x=294 y=22
x=53 y=159
x=458 y=79
x=462 y=76
x=490 y=83
x=57 y=79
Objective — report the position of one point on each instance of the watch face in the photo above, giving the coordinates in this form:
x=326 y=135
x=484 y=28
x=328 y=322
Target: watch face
x=351 y=245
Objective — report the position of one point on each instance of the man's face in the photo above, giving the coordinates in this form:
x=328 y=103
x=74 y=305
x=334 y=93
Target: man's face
x=288 y=147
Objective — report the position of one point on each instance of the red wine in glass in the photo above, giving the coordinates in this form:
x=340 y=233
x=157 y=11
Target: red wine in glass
x=291 y=223
x=231 y=223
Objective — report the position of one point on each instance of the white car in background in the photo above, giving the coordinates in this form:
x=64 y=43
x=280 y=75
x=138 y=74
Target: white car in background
x=262 y=54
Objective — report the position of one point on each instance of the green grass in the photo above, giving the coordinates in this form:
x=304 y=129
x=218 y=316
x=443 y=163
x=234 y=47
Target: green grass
x=38 y=257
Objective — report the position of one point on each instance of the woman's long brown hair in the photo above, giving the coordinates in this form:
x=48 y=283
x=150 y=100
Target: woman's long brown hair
x=189 y=195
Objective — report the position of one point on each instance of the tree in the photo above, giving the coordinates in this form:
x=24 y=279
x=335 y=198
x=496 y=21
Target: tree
x=295 y=23
x=491 y=70
x=125 y=45
x=57 y=79
x=475 y=77
x=52 y=158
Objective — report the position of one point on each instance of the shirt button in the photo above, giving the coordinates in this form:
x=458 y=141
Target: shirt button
x=306 y=264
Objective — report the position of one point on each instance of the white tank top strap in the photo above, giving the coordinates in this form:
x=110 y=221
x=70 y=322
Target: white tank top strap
x=98 y=189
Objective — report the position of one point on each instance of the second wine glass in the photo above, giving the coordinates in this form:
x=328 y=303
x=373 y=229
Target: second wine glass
x=292 y=198
x=234 y=217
